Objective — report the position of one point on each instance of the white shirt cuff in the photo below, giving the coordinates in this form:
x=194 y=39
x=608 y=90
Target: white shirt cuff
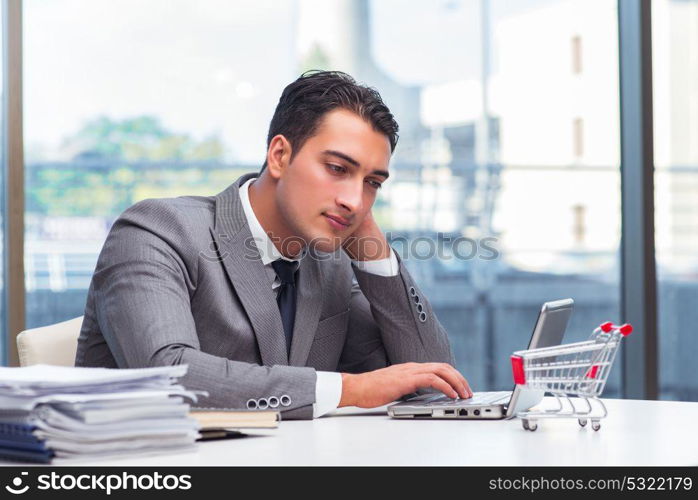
x=381 y=267
x=328 y=392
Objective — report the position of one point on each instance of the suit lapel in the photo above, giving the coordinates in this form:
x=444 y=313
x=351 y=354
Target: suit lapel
x=247 y=274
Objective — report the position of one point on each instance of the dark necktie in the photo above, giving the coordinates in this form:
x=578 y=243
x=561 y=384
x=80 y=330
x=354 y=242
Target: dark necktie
x=286 y=299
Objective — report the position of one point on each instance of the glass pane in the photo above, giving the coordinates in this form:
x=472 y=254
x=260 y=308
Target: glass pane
x=675 y=83
x=121 y=106
x=516 y=148
x=508 y=140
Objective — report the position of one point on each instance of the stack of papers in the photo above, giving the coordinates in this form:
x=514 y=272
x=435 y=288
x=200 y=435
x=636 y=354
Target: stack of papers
x=63 y=412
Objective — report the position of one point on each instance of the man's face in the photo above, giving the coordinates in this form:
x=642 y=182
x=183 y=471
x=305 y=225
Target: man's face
x=330 y=186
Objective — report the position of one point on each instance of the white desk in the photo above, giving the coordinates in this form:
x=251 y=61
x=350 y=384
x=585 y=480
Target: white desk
x=634 y=433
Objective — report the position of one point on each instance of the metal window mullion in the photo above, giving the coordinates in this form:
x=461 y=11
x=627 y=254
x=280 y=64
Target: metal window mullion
x=13 y=169
x=638 y=267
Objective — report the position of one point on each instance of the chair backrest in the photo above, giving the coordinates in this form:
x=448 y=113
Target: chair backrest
x=50 y=345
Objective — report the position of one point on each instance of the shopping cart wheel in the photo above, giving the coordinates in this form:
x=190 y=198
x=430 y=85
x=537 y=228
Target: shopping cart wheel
x=582 y=422
x=596 y=425
x=529 y=426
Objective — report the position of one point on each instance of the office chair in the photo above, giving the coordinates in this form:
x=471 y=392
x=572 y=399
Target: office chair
x=50 y=345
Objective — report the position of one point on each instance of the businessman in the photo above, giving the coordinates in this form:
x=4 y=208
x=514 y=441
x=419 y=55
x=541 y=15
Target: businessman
x=281 y=291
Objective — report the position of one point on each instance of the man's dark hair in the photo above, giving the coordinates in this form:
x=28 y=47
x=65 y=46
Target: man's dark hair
x=304 y=102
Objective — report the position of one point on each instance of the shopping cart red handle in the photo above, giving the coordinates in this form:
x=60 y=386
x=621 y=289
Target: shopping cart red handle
x=517 y=368
x=624 y=330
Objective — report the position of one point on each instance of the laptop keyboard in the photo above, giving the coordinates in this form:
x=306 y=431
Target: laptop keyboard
x=479 y=398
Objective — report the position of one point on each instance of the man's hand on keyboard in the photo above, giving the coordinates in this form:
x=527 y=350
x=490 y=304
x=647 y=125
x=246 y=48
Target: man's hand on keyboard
x=383 y=386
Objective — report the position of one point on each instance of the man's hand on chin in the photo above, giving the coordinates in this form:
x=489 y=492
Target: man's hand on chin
x=367 y=242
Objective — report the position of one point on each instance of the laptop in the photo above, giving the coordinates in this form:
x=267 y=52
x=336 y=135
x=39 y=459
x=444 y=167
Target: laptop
x=548 y=331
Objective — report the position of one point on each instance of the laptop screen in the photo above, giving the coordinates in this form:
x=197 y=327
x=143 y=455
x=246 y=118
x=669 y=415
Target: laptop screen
x=550 y=326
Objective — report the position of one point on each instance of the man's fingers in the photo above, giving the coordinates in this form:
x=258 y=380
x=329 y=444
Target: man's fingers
x=444 y=371
x=467 y=391
x=464 y=382
x=450 y=375
x=467 y=387
x=436 y=382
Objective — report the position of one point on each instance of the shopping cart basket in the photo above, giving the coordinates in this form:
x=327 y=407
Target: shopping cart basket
x=580 y=369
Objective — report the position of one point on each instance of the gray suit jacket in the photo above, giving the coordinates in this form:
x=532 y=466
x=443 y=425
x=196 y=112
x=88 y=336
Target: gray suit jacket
x=180 y=281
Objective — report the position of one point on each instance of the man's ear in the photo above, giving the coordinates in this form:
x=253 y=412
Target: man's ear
x=278 y=156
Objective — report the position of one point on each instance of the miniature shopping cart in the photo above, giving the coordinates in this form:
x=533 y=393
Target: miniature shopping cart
x=580 y=369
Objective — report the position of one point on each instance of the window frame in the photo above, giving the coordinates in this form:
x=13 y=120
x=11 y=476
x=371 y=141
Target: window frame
x=13 y=181
x=638 y=264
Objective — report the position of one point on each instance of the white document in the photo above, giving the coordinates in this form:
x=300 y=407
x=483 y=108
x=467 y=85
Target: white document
x=51 y=377
x=67 y=457
x=103 y=412
x=51 y=421
x=27 y=402
x=120 y=445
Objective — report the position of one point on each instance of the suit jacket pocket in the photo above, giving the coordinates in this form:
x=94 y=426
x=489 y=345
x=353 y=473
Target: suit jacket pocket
x=337 y=323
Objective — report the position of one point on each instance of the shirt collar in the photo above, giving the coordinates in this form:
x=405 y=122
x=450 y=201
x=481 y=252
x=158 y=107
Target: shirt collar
x=267 y=250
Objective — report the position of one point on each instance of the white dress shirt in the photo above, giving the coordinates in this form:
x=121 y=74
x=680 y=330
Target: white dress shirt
x=328 y=388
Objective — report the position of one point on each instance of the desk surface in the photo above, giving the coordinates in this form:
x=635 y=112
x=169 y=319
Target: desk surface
x=634 y=433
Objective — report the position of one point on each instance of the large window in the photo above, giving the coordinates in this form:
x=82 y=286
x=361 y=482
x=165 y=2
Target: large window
x=507 y=166
x=675 y=80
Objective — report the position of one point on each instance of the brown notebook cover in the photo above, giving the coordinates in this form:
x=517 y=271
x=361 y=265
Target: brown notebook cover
x=217 y=423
